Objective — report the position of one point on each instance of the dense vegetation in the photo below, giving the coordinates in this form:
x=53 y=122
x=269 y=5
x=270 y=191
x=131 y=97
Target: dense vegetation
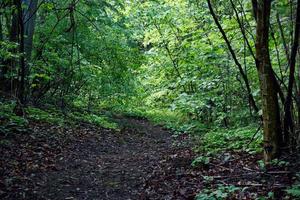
x=225 y=72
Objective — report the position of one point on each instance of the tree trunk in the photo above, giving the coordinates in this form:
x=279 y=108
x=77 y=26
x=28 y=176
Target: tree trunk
x=1 y=28
x=9 y=81
x=2 y=75
x=29 y=26
x=22 y=64
x=288 y=120
x=270 y=106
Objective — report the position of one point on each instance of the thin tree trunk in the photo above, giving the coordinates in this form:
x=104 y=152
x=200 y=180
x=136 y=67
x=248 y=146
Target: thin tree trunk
x=29 y=26
x=286 y=48
x=173 y=60
x=238 y=64
x=1 y=28
x=10 y=65
x=22 y=63
x=274 y=76
x=270 y=106
x=2 y=76
x=254 y=8
x=288 y=121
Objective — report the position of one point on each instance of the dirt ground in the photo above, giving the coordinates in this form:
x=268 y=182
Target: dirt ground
x=142 y=161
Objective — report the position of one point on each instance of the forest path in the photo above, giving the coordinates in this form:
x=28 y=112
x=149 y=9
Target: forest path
x=88 y=162
x=142 y=161
x=111 y=165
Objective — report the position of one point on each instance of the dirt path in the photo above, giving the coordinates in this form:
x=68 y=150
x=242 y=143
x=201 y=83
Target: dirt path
x=140 y=162
x=94 y=163
x=109 y=166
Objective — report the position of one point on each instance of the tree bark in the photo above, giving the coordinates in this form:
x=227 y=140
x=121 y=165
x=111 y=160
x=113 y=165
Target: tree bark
x=1 y=28
x=288 y=120
x=277 y=84
x=2 y=76
x=29 y=26
x=254 y=8
x=270 y=106
x=22 y=63
x=9 y=82
x=285 y=46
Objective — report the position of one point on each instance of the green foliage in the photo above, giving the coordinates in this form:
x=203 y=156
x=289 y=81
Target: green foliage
x=233 y=139
x=280 y=163
x=165 y=117
x=261 y=164
x=184 y=70
x=294 y=191
x=57 y=117
x=208 y=179
x=163 y=60
x=221 y=192
x=95 y=61
x=147 y=58
x=6 y=50
x=274 y=162
x=201 y=160
x=99 y=120
x=270 y=196
x=9 y=122
x=173 y=120
x=51 y=116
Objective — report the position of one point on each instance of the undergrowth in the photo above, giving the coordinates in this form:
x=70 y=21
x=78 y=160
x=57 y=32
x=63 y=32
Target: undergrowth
x=209 y=140
x=10 y=123
x=237 y=139
x=294 y=190
x=97 y=119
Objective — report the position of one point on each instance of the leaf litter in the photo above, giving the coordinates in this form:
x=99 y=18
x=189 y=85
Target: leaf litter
x=141 y=161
